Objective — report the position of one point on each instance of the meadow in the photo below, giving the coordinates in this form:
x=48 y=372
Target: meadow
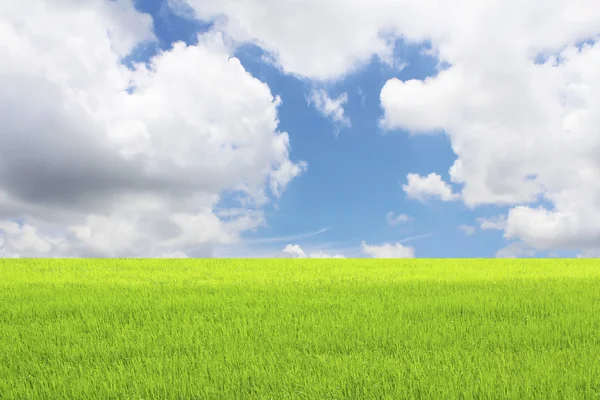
x=300 y=329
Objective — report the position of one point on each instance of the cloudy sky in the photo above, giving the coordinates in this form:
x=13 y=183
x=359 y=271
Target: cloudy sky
x=269 y=128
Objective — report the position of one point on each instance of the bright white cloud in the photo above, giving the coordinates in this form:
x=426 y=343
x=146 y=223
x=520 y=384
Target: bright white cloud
x=96 y=169
x=521 y=130
x=388 y=250
x=330 y=108
x=431 y=186
x=309 y=38
x=344 y=35
x=544 y=229
x=467 y=229
x=393 y=219
x=295 y=251
x=412 y=110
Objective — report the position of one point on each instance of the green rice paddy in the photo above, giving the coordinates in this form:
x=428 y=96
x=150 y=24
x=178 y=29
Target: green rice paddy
x=299 y=329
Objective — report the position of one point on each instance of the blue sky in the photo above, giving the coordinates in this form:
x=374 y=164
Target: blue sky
x=495 y=134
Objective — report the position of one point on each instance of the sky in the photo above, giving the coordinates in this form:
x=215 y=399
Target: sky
x=280 y=128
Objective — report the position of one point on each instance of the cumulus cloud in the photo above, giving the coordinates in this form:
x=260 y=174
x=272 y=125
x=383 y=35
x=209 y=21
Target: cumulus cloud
x=518 y=103
x=295 y=251
x=18 y=239
x=309 y=38
x=344 y=35
x=393 y=219
x=431 y=186
x=388 y=250
x=467 y=229
x=102 y=160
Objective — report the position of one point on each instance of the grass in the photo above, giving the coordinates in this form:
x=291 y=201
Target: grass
x=299 y=329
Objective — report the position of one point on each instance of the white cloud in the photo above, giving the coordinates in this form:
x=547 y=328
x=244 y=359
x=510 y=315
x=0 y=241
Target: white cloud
x=393 y=219
x=344 y=35
x=4 y=253
x=309 y=38
x=295 y=251
x=412 y=109
x=497 y=222
x=281 y=176
x=321 y=254
x=424 y=187
x=95 y=169
x=544 y=229
x=330 y=108
x=521 y=130
x=20 y=239
x=467 y=229
x=516 y=250
x=388 y=250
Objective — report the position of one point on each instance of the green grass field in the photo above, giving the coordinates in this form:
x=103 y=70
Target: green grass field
x=299 y=329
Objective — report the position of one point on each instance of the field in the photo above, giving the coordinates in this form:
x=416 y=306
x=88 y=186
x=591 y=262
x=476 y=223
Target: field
x=299 y=329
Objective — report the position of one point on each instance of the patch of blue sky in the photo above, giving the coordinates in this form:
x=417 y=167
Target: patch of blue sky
x=544 y=56
x=170 y=26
